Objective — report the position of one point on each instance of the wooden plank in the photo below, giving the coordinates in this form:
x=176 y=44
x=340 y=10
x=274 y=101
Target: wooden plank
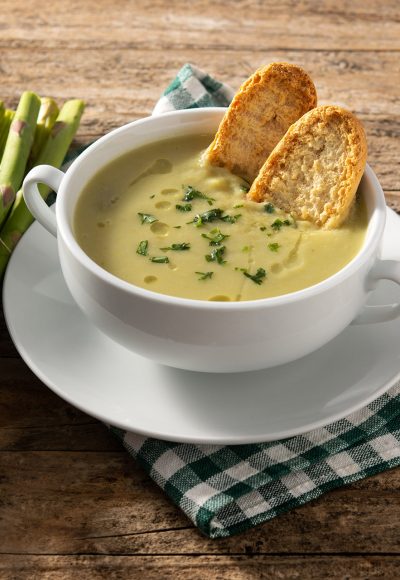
x=126 y=90
x=77 y=502
x=90 y=435
x=32 y=417
x=223 y=24
x=128 y=87
x=199 y=568
x=7 y=349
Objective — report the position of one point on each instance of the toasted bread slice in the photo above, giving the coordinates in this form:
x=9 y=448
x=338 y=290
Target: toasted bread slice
x=273 y=98
x=314 y=171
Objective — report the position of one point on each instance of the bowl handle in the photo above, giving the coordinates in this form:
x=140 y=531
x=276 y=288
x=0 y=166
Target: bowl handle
x=37 y=206
x=382 y=270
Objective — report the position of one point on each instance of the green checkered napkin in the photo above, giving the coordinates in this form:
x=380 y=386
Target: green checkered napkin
x=225 y=490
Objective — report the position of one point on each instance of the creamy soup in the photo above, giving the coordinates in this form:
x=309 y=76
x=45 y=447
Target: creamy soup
x=161 y=219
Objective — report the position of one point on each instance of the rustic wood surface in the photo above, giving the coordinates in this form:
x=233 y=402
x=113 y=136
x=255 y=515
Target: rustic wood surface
x=72 y=503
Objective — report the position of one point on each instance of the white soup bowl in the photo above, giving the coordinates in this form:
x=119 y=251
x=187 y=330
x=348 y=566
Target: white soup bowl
x=194 y=334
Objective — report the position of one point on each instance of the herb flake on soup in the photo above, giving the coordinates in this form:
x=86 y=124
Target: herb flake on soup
x=161 y=219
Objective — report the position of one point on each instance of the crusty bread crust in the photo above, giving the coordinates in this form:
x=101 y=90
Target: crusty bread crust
x=314 y=171
x=273 y=98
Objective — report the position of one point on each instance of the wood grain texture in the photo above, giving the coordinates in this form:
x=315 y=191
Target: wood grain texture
x=177 y=25
x=199 y=568
x=73 y=504
x=96 y=502
x=129 y=91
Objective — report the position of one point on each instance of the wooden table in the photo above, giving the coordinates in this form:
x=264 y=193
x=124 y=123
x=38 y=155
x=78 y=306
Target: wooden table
x=72 y=502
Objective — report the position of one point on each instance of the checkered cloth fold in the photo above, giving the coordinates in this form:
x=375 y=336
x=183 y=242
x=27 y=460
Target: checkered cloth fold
x=225 y=490
x=193 y=89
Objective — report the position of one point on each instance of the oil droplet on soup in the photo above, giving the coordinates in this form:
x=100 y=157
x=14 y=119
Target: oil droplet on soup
x=160 y=228
x=220 y=298
x=150 y=279
x=169 y=191
x=163 y=205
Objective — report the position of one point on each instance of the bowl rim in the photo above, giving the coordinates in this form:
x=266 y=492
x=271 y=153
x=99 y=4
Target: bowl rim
x=372 y=237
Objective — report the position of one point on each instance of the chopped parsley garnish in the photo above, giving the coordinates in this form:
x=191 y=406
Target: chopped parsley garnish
x=185 y=207
x=238 y=205
x=274 y=247
x=216 y=237
x=277 y=224
x=269 y=207
x=147 y=218
x=160 y=259
x=153 y=196
x=204 y=275
x=247 y=248
x=245 y=188
x=258 y=277
x=191 y=193
x=216 y=255
x=177 y=227
x=263 y=228
x=142 y=248
x=212 y=215
x=208 y=216
x=231 y=219
x=177 y=247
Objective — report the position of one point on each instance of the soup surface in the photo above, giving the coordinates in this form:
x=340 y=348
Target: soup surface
x=160 y=219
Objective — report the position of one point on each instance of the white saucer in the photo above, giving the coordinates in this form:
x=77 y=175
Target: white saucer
x=96 y=375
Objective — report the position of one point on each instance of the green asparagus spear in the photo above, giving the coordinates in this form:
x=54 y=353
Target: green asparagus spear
x=16 y=151
x=4 y=129
x=47 y=117
x=2 y=121
x=53 y=153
